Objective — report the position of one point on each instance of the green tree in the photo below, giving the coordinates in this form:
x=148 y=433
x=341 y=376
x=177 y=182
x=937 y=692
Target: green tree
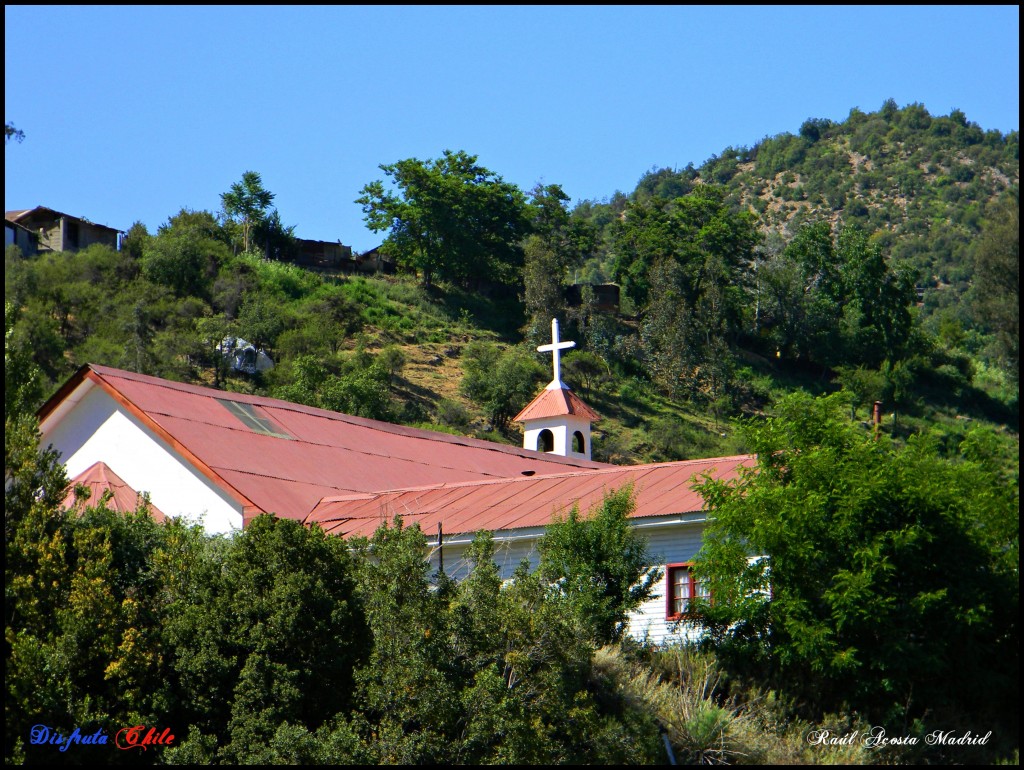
x=22 y=388
x=543 y=288
x=876 y=321
x=261 y=319
x=856 y=573
x=500 y=382
x=246 y=203
x=683 y=263
x=264 y=631
x=278 y=240
x=584 y=370
x=698 y=231
x=135 y=240
x=559 y=243
x=408 y=688
x=186 y=253
x=449 y=218
x=393 y=360
x=10 y=132
x=800 y=298
x=864 y=385
x=361 y=388
x=600 y=565
x=997 y=279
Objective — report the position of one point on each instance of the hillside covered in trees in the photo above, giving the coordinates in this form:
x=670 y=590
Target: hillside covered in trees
x=871 y=260
x=877 y=255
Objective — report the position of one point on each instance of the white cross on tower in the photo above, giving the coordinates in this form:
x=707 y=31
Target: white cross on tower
x=555 y=348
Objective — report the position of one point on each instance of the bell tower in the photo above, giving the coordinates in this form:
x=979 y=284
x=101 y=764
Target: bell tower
x=557 y=421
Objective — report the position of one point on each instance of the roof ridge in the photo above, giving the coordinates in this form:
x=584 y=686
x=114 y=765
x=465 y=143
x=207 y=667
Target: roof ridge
x=366 y=422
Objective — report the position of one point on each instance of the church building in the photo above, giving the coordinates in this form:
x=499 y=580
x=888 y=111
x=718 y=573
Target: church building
x=223 y=458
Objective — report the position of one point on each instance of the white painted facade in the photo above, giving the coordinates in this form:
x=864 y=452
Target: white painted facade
x=670 y=540
x=91 y=426
x=562 y=428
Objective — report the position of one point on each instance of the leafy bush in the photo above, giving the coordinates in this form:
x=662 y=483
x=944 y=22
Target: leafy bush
x=452 y=413
x=849 y=604
x=502 y=383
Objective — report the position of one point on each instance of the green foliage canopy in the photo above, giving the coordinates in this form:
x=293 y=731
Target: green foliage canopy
x=857 y=573
x=997 y=280
x=600 y=565
x=246 y=202
x=449 y=218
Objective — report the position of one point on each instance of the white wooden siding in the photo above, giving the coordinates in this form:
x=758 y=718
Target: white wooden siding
x=668 y=542
x=667 y=545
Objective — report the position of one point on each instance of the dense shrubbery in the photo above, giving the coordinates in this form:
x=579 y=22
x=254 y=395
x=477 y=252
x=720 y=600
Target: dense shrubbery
x=887 y=577
x=891 y=602
x=282 y=645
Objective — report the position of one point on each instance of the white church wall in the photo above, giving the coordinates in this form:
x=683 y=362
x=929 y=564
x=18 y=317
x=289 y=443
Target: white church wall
x=510 y=549
x=668 y=542
x=100 y=429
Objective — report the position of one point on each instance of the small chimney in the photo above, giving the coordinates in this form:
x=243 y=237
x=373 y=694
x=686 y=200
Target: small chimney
x=877 y=418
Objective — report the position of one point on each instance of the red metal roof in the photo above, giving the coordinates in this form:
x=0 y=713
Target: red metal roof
x=513 y=503
x=99 y=478
x=329 y=453
x=555 y=403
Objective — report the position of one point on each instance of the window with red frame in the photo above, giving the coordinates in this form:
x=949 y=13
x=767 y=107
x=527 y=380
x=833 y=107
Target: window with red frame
x=682 y=589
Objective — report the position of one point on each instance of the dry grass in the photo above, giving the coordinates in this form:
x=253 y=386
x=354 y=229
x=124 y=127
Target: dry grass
x=683 y=690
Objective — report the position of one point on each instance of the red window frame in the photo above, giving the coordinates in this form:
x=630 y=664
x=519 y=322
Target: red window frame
x=693 y=588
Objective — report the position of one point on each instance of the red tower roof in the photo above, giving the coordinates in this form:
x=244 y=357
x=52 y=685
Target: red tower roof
x=556 y=403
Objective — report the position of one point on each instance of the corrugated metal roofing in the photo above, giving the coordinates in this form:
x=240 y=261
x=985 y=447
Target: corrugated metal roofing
x=328 y=454
x=99 y=478
x=660 y=489
x=555 y=403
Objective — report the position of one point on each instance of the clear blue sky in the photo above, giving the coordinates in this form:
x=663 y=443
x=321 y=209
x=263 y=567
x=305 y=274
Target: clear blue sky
x=133 y=113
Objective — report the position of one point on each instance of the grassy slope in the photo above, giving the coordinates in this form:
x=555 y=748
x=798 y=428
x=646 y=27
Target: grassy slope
x=432 y=328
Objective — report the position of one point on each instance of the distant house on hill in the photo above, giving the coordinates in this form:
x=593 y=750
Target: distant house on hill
x=57 y=231
x=322 y=253
x=374 y=261
x=20 y=236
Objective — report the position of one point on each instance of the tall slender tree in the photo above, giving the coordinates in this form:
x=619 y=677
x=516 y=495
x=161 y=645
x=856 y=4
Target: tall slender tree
x=247 y=203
